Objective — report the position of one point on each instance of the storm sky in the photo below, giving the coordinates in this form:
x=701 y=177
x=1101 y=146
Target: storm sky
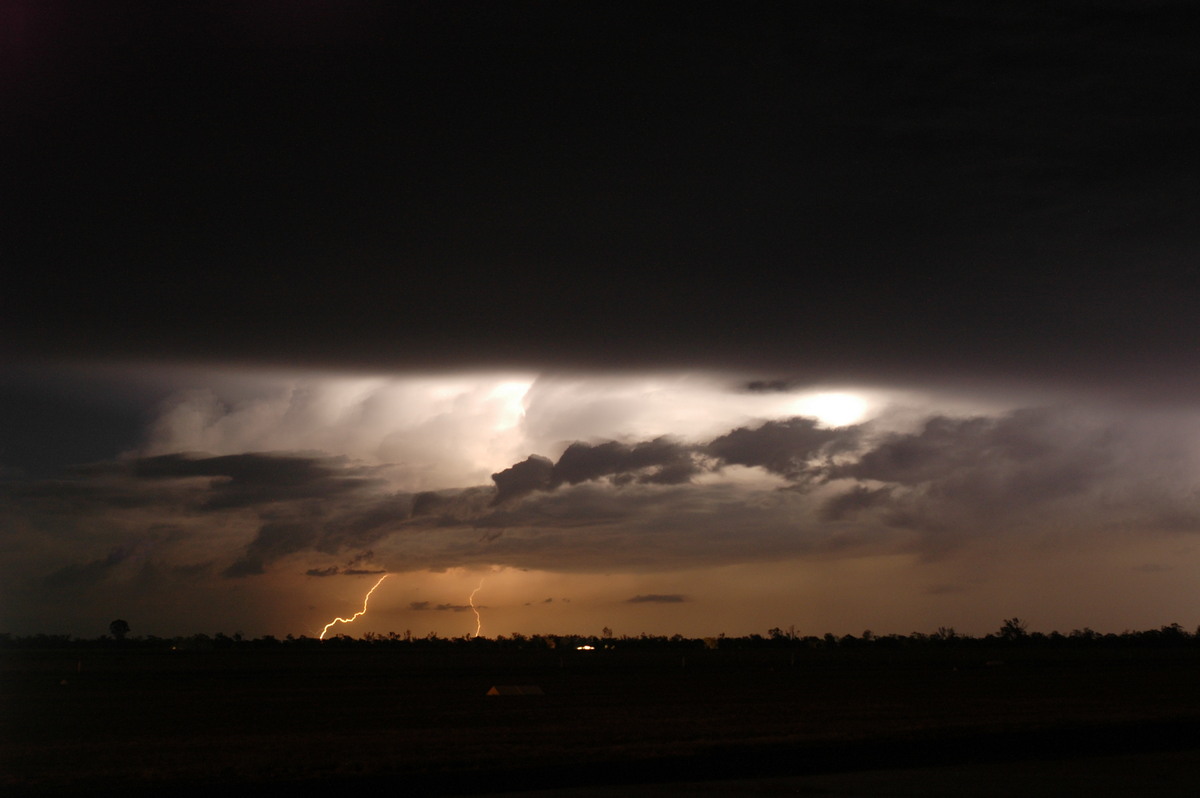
x=691 y=317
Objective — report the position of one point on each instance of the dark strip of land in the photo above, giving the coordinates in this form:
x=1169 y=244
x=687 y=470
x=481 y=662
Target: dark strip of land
x=327 y=718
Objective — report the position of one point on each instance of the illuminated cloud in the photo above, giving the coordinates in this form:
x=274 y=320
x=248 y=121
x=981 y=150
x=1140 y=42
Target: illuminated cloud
x=936 y=486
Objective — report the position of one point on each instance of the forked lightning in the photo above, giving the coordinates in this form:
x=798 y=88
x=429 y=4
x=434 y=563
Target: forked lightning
x=355 y=615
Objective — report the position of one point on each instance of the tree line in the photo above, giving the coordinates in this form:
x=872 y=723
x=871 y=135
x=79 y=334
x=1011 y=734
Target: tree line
x=1012 y=632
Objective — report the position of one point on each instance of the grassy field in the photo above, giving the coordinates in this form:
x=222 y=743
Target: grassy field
x=141 y=720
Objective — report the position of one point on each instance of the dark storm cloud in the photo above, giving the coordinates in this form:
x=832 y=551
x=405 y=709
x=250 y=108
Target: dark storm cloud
x=453 y=505
x=319 y=503
x=304 y=502
x=661 y=461
x=769 y=386
x=425 y=605
x=364 y=521
x=657 y=598
x=274 y=540
x=857 y=498
x=244 y=480
x=613 y=177
x=930 y=490
x=82 y=492
x=1024 y=457
x=786 y=447
x=533 y=473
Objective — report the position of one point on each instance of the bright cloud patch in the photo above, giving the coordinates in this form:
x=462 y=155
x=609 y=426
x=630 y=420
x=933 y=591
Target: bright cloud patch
x=833 y=409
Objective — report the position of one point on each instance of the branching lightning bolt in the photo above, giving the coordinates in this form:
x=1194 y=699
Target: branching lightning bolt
x=474 y=609
x=360 y=612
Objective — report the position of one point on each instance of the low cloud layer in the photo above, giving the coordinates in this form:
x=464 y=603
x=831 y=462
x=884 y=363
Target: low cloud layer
x=928 y=490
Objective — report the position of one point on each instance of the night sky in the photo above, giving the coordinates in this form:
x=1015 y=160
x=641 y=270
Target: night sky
x=666 y=317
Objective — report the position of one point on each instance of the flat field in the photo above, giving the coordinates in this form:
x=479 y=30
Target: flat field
x=322 y=716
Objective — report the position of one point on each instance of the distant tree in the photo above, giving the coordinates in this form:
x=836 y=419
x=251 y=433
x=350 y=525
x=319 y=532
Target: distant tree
x=118 y=629
x=1014 y=629
x=606 y=633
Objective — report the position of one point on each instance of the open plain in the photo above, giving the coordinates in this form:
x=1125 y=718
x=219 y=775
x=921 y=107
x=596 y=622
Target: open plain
x=312 y=717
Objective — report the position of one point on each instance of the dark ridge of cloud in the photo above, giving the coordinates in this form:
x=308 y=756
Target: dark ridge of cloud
x=582 y=462
x=657 y=598
x=943 y=446
x=581 y=505
x=362 y=557
x=786 y=447
x=860 y=497
x=242 y=480
x=87 y=491
x=454 y=505
x=661 y=461
x=332 y=570
x=428 y=606
x=275 y=539
x=427 y=503
x=364 y=572
x=767 y=386
x=533 y=473
x=354 y=528
x=946 y=445
x=1023 y=458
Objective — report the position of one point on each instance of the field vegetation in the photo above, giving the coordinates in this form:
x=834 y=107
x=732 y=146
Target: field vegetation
x=193 y=713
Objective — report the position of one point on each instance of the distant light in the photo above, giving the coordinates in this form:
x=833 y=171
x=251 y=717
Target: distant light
x=585 y=648
x=509 y=396
x=832 y=409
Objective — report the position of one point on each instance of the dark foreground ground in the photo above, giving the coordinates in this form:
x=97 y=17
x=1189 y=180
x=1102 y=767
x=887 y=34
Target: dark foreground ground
x=734 y=722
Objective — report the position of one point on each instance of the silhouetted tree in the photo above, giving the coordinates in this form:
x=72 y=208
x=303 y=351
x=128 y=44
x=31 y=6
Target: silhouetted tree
x=1013 y=629
x=118 y=629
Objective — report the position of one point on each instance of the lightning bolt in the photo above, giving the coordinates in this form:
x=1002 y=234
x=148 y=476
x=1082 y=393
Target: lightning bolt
x=474 y=609
x=360 y=612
